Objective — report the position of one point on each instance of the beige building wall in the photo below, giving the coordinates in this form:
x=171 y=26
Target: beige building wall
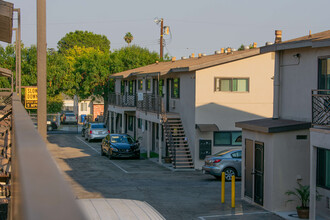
x=286 y=160
x=298 y=78
x=226 y=108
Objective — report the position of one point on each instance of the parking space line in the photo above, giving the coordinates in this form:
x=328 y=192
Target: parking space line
x=100 y=152
x=236 y=214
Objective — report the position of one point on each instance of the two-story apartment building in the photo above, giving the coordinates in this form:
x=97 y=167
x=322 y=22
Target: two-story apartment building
x=187 y=108
x=294 y=145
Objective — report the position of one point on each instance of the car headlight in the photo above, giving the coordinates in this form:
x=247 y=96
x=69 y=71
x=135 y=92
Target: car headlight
x=114 y=149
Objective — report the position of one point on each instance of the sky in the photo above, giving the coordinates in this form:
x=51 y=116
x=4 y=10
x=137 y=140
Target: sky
x=196 y=26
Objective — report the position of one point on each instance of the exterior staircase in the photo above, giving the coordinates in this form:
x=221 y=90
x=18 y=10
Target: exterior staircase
x=177 y=144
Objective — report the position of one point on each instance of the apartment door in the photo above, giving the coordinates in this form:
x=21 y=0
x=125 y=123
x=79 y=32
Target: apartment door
x=259 y=173
x=248 y=168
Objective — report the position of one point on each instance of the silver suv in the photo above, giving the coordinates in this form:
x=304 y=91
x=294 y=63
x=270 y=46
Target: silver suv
x=96 y=131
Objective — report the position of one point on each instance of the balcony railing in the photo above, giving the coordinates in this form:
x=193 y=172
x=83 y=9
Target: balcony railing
x=321 y=108
x=121 y=100
x=37 y=188
x=149 y=103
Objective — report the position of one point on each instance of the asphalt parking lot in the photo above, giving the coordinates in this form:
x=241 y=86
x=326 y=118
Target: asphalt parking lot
x=176 y=195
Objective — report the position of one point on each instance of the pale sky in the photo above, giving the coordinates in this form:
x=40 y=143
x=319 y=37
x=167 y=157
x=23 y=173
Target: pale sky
x=197 y=26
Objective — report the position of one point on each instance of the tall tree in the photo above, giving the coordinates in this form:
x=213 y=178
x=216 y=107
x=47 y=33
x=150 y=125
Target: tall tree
x=128 y=38
x=83 y=39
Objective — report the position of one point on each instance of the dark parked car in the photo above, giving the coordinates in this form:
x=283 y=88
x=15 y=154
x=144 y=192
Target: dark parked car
x=51 y=125
x=228 y=161
x=120 y=145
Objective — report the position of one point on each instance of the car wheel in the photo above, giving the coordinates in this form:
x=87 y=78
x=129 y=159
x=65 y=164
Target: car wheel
x=229 y=172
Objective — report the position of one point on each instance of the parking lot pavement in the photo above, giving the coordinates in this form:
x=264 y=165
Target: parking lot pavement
x=176 y=195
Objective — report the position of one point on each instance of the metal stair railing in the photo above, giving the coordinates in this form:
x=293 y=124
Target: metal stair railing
x=168 y=133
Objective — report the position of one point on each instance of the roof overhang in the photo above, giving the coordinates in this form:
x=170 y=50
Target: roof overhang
x=270 y=125
x=295 y=45
x=207 y=127
x=6 y=21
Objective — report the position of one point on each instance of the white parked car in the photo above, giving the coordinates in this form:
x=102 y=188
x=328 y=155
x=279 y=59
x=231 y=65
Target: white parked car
x=96 y=131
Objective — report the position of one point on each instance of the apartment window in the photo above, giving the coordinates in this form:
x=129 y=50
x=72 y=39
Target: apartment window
x=140 y=84
x=130 y=87
x=140 y=123
x=175 y=88
x=231 y=84
x=323 y=168
x=122 y=87
x=83 y=106
x=131 y=123
x=324 y=73
x=161 y=87
x=227 y=138
x=148 y=84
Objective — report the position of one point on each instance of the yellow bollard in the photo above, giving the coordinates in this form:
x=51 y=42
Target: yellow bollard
x=223 y=187
x=233 y=191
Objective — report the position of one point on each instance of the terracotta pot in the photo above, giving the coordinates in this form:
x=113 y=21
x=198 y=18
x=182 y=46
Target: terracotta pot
x=303 y=213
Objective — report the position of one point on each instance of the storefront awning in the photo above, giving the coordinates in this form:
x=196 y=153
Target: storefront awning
x=207 y=127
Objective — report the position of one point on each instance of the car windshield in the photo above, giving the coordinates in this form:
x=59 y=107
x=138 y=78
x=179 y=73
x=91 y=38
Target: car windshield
x=122 y=139
x=98 y=126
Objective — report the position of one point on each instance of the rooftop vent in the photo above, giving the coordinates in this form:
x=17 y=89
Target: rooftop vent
x=222 y=50
x=183 y=58
x=217 y=52
x=203 y=54
x=246 y=47
x=199 y=55
x=233 y=50
x=157 y=61
x=254 y=45
x=268 y=43
x=228 y=50
x=192 y=55
x=173 y=59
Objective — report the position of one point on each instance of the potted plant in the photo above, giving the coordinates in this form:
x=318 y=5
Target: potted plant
x=302 y=193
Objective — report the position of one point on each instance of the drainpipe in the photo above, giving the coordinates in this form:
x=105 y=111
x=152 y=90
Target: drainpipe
x=277 y=83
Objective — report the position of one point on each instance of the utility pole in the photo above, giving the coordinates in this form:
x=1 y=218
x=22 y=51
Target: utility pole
x=161 y=37
x=41 y=68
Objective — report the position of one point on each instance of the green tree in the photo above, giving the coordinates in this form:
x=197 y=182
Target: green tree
x=128 y=38
x=92 y=72
x=131 y=57
x=83 y=39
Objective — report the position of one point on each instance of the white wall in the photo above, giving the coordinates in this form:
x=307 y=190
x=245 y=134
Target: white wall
x=285 y=158
x=297 y=81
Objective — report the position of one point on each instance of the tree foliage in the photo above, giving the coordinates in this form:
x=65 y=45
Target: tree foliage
x=83 y=39
x=128 y=38
x=131 y=57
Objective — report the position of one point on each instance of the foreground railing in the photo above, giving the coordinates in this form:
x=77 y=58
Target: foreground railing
x=125 y=100
x=39 y=191
x=149 y=103
x=321 y=108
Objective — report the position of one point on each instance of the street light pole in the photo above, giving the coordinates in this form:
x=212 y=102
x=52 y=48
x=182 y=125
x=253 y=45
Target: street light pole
x=161 y=37
x=41 y=68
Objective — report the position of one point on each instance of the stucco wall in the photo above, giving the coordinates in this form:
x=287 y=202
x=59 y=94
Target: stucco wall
x=285 y=159
x=298 y=78
x=226 y=108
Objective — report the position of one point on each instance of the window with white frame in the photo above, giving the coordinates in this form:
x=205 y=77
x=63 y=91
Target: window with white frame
x=83 y=106
x=231 y=84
